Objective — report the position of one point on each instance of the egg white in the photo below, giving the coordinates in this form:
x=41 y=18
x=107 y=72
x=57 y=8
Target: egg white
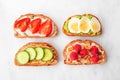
x=89 y=24
x=94 y=20
x=71 y=22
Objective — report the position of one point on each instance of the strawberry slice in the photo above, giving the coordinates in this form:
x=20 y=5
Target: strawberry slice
x=46 y=28
x=94 y=50
x=35 y=25
x=77 y=48
x=74 y=56
x=95 y=59
x=22 y=24
x=83 y=52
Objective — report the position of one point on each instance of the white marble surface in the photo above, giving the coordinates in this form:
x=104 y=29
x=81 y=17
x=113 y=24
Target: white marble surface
x=108 y=12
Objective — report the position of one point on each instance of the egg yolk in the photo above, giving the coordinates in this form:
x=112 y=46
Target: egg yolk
x=74 y=26
x=95 y=26
x=84 y=25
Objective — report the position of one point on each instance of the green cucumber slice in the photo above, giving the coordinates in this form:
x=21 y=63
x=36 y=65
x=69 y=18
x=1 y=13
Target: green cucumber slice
x=40 y=53
x=48 y=55
x=32 y=52
x=23 y=57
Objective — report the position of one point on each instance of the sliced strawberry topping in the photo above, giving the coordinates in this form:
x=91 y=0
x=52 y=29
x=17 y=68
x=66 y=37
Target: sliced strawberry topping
x=83 y=52
x=22 y=24
x=94 y=50
x=77 y=48
x=95 y=59
x=74 y=56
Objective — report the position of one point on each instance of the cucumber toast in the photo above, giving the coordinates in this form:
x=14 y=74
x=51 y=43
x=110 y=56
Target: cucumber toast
x=36 y=54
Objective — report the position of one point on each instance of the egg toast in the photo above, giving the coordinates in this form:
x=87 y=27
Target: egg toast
x=84 y=52
x=36 y=54
x=82 y=25
x=34 y=26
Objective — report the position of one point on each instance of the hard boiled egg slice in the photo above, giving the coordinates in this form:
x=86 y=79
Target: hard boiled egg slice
x=84 y=25
x=95 y=25
x=73 y=25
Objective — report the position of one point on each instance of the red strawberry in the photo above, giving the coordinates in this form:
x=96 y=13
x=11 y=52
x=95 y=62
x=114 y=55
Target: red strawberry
x=94 y=50
x=94 y=59
x=83 y=52
x=74 y=56
x=77 y=48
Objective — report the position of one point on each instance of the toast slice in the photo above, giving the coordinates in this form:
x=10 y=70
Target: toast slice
x=34 y=26
x=84 y=52
x=82 y=25
x=49 y=58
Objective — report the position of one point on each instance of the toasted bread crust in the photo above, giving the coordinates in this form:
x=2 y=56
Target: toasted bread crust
x=85 y=34
x=103 y=56
x=36 y=62
x=54 y=31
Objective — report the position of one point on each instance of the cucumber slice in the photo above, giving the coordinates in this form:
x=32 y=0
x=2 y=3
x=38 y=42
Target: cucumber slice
x=32 y=52
x=23 y=57
x=40 y=53
x=48 y=55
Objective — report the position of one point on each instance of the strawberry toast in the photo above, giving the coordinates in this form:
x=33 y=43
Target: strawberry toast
x=34 y=26
x=84 y=52
x=36 y=54
x=82 y=25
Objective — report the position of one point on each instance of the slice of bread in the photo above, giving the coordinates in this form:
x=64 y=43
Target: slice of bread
x=91 y=34
x=28 y=34
x=51 y=62
x=86 y=60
